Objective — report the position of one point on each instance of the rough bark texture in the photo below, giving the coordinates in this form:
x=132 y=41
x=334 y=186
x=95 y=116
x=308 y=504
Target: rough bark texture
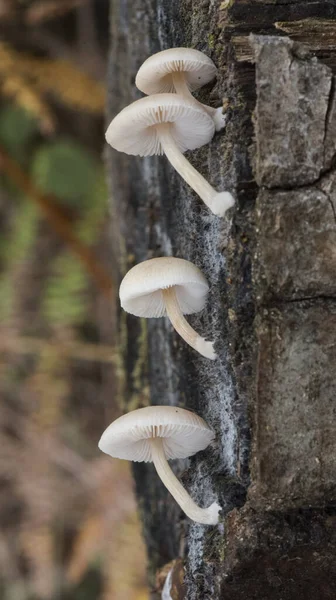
x=271 y=264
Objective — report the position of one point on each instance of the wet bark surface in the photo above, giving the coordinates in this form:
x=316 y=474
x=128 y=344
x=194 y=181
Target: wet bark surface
x=270 y=263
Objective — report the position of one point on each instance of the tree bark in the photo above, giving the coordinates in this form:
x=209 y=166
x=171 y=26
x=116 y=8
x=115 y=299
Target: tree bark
x=271 y=266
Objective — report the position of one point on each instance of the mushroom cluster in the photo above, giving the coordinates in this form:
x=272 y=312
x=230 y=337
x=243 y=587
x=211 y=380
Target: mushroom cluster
x=168 y=121
x=172 y=123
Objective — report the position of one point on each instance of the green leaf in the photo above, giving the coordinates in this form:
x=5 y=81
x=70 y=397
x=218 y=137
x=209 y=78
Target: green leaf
x=89 y=225
x=66 y=170
x=14 y=252
x=23 y=234
x=65 y=301
x=7 y=297
x=17 y=129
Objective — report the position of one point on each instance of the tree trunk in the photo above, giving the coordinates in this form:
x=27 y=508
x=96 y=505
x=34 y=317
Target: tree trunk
x=271 y=265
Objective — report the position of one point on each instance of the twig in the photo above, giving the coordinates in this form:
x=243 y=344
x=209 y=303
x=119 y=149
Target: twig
x=78 y=350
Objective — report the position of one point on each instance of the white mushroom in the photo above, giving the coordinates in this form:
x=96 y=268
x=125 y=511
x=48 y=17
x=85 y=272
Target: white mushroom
x=158 y=434
x=167 y=586
x=168 y=286
x=180 y=70
x=169 y=124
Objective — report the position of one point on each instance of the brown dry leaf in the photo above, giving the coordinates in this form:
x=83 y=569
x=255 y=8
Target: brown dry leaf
x=25 y=95
x=61 y=78
x=64 y=80
x=70 y=85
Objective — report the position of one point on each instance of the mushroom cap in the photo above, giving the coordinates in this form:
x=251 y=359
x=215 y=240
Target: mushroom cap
x=183 y=433
x=133 y=130
x=141 y=289
x=154 y=76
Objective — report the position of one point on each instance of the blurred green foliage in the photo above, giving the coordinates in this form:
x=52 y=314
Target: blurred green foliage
x=64 y=301
x=17 y=129
x=23 y=233
x=92 y=218
x=14 y=250
x=66 y=170
x=69 y=172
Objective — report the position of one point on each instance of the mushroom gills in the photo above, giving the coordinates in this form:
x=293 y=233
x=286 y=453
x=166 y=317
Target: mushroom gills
x=182 y=326
x=182 y=88
x=206 y=516
x=218 y=202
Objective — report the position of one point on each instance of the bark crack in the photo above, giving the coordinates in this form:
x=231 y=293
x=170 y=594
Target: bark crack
x=327 y=117
x=304 y=186
x=332 y=205
x=300 y=299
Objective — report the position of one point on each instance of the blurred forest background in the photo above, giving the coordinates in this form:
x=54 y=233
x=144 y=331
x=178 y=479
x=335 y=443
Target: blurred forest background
x=69 y=527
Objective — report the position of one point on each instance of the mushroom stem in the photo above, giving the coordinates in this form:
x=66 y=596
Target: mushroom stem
x=182 y=88
x=207 y=516
x=182 y=326
x=218 y=202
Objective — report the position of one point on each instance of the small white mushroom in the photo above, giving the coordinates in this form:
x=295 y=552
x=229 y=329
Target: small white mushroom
x=167 y=587
x=168 y=286
x=180 y=70
x=158 y=434
x=168 y=124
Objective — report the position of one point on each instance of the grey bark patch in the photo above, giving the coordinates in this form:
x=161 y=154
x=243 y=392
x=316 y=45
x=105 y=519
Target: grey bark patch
x=330 y=138
x=280 y=556
x=292 y=102
x=294 y=458
x=328 y=185
x=296 y=247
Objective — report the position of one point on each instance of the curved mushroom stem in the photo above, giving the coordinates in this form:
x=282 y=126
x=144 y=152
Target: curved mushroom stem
x=182 y=326
x=182 y=89
x=207 y=516
x=218 y=202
